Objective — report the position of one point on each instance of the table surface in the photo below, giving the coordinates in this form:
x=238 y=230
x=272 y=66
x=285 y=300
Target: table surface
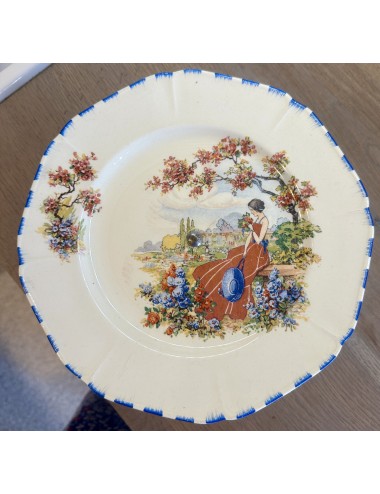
x=346 y=396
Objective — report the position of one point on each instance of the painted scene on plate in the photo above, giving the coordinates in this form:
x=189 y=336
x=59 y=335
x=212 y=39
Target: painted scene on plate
x=241 y=248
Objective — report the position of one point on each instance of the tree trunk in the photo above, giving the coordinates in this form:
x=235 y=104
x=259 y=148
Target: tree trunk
x=294 y=213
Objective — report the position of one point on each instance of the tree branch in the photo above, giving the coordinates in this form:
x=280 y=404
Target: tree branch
x=75 y=201
x=259 y=185
x=278 y=179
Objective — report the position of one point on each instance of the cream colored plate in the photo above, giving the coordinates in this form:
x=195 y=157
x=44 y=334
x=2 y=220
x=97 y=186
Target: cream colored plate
x=89 y=302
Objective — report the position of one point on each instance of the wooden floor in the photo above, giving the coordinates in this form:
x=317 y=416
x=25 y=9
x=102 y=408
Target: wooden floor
x=346 y=396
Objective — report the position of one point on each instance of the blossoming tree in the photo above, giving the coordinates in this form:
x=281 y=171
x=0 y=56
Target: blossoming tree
x=62 y=227
x=203 y=173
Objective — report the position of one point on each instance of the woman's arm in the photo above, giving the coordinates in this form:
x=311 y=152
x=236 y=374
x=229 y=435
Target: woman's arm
x=263 y=231
x=248 y=241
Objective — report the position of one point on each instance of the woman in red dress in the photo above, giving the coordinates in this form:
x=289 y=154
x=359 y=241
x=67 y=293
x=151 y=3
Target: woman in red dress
x=210 y=275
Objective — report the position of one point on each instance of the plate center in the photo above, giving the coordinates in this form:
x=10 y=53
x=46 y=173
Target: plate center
x=160 y=252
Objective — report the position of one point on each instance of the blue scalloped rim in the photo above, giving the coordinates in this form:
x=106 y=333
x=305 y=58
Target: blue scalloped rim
x=73 y=371
x=213 y=418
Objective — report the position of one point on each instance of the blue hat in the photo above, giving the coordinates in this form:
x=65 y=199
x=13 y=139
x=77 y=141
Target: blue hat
x=233 y=283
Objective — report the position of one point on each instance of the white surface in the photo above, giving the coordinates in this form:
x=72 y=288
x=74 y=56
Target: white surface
x=88 y=304
x=15 y=75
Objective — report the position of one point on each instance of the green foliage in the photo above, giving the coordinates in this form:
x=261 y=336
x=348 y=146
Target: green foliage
x=286 y=245
x=301 y=258
x=289 y=236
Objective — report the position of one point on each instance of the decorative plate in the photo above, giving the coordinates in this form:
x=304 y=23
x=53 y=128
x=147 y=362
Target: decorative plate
x=196 y=246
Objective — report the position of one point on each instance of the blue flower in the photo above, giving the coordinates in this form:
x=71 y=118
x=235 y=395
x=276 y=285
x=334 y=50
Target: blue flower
x=283 y=295
x=272 y=286
x=273 y=293
x=54 y=228
x=146 y=288
x=273 y=304
x=294 y=294
x=166 y=300
x=179 y=281
x=258 y=289
x=178 y=292
x=194 y=325
x=273 y=314
x=274 y=274
x=289 y=321
x=214 y=324
x=266 y=307
x=157 y=298
x=180 y=273
x=184 y=303
x=170 y=281
x=253 y=313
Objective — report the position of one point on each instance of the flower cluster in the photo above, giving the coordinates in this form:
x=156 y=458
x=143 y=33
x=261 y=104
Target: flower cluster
x=51 y=205
x=179 y=173
x=181 y=308
x=63 y=236
x=90 y=200
x=203 y=181
x=241 y=176
x=201 y=302
x=146 y=288
x=214 y=324
x=63 y=228
x=292 y=195
x=61 y=177
x=275 y=302
x=176 y=173
x=227 y=148
x=276 y=164
x=82 y=166
x=246 y=222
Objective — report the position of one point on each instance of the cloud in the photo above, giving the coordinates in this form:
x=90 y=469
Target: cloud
x=223 y=200
x=179 y=199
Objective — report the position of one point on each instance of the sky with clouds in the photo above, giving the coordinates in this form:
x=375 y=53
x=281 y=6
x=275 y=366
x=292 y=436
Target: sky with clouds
x=211 y=206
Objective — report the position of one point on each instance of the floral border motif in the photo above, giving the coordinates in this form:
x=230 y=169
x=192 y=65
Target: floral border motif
x=63 y=230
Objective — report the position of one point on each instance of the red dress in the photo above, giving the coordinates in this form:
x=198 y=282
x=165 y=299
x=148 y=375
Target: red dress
x=210 y=277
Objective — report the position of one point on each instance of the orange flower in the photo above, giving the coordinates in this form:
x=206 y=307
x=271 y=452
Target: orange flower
x=199 y=292
x=169 y=331
x=152 y=318
x=206 y=305
x=172 y=270
x=199 y=295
